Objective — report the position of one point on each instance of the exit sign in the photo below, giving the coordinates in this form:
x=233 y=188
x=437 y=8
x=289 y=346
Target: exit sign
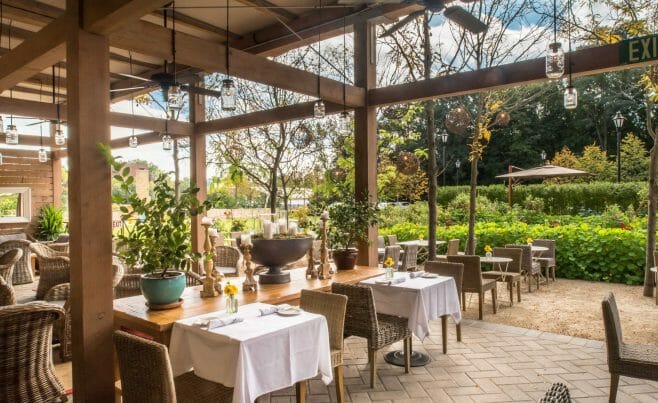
x=637 y=50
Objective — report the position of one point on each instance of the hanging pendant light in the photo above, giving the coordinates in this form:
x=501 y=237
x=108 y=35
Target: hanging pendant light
x=11 y=134
x=0 y=158
x=344 y=123
x=2 y=125
x=570 y=93
x=167 y=142
x=133 y=141
x=228 y=85
x=319 y=110
x=175 y=97
x=554 y=54
x=42 y=155
x=344 y=120
x=60 y=139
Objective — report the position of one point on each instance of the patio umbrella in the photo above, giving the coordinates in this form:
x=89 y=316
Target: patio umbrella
x=540 y=172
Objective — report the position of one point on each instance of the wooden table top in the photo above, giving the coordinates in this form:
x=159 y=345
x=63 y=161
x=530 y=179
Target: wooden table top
x=133 y=310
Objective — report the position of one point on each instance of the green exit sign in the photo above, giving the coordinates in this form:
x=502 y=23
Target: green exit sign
x=637 y=50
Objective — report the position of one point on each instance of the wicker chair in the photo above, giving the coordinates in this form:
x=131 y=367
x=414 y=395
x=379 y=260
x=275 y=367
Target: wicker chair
x=393 y=252
x=380 y=330
x=453 y=247
x=62 y=247
x=227 y=260
x=27 y=375
x=529 y=267
x=7 y=295
x=53 y=268
x=512 y=275
x=7 y=262
x=409 y=258
x=634 y=360
x=146 y=375
x=392 y=239
x=332 y=306
x=456 y=271
x=381 y=244
x=23 y=268
x=474 y=283
x=547 y=259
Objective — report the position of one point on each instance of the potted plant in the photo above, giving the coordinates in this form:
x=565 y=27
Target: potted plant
x=349 y=223
x=50 y=223
x=156 y=233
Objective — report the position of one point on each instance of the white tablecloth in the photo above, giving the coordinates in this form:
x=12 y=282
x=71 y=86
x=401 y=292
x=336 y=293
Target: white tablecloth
x=257 y=356
x=418 y=299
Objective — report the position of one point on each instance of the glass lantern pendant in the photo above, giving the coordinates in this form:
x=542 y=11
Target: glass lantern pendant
x=2 y=125
x=228 y=95
x=554 y=61
x=174 y=98
x=570 y=97
x=0 y=158
x=59 y=136
x=344 y=123
x=167 y=142
x=43 y=155
x=12 y=135
x=133 y=142
x=318 y=109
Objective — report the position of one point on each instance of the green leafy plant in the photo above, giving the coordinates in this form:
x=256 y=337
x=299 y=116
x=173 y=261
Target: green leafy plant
x=349 y=222
x=50 y=223
x=156 y=232
x=238 y=225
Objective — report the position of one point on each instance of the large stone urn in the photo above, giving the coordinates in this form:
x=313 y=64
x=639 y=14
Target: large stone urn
x=275 y=254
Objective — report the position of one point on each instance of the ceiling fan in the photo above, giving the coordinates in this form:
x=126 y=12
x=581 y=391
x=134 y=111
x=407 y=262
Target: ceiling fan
x=454 y=13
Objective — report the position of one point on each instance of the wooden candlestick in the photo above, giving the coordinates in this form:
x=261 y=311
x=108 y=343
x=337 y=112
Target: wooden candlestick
x=311 y=270
x=250 y=283
x=325 y=268
x=209 y=290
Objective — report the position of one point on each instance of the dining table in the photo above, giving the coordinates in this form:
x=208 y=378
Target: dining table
x=420 y=297
x=260 y=349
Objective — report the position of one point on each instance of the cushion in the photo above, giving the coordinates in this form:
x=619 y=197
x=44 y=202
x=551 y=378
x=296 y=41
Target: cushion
x=12 y=237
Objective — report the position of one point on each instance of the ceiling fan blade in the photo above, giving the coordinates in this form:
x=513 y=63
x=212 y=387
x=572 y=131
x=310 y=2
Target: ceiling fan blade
x=128 y=89
x=134 y=77
x=467 y=20
x=401 y=23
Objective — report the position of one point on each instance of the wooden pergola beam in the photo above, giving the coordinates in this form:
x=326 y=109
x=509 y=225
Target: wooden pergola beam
x=154 y=40
x=588 y=61
x=268 y=8
x=105 y=17
x=29 y=11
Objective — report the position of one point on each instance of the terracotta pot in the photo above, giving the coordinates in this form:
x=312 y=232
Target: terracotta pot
x=345 y=259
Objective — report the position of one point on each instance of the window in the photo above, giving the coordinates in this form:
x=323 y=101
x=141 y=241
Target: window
x=15 y=205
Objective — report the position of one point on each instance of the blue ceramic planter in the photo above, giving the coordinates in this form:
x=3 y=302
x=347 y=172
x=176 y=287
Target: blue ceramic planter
x=162 y=291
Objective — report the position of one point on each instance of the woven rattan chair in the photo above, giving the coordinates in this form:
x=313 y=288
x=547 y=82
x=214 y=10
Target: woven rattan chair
x=546 y=259
x=509 y=273
x=23 y=268
x=456 y=271
x=26 y=365
x=332 y=306
x=380 y=330
x=474 y=283
x=53 y=268
x=393 y=252
x=634 y=360
x=62 y=247
x=529 y=267
x=7 y=295
x=381 y=244
x=409 y=258
x=453 y=247
x=8 y=261
x=392 y=239
x=227 y=260
x=146 y=375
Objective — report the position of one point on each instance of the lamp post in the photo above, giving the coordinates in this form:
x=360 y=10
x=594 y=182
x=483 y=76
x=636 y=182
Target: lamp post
x=444 y=140
x=458 y=164
x=543 y=157
x=619 y=122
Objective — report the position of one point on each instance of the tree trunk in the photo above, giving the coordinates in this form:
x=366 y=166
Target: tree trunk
x=470 y=242
x=431 y=145
x=273 y=192
x=651 y=221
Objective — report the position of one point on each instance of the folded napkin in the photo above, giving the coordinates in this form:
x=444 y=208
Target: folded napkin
x=414 y=274
x=215 y=323
x=273 y=309
x=397 y=280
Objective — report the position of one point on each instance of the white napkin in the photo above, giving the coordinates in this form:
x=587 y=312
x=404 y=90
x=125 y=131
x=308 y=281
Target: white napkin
x=414 y=274
x=215 y=323
x=273 y=309
x=398 y=280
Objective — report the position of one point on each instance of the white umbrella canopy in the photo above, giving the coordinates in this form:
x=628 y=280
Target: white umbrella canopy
x=543 y=172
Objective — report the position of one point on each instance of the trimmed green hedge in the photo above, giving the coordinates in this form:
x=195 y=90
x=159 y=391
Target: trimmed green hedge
x=583 y=251
x=567 y=198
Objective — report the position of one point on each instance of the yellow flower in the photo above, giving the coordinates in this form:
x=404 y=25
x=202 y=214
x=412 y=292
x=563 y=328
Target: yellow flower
x=487 y=248
x=529 y=240
x=388 y=262
x=230 y=290
x=421 y=236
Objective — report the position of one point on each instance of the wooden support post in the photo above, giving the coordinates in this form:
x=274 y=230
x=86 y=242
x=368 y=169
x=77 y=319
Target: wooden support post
x=365 y=126
x=198 y=172
x=56 y=163
x=90 y=214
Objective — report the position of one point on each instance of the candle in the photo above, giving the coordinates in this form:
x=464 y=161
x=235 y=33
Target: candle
x=206 y=221
x=292 y=228
x=245 y=239
x=283 y=227
x=267 y=229
x=213 y=232
x=325 y=215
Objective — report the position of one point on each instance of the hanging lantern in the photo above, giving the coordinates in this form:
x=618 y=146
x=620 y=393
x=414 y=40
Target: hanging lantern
x=503 y=118
x=59 y=135
x=228 y=95
x=2 y=125
x=570 y=97
x=338 y=174
x=457 y=120
x=318 y=109
x=344 y=123
x=302 y=139
x=175 y=97
x=43 y=156
x=554 y=61
x=0 y=158
x=133 y=142
x=407 y=163
x=12 y=135
x=167 y=142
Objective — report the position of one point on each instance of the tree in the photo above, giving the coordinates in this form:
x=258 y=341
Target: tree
x=595 y=161
x=634 y=159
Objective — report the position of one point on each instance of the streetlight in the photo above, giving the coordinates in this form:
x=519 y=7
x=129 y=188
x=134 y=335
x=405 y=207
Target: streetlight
x=444 y=140
x=543 y=156
x=458 y=163
x=619 y=122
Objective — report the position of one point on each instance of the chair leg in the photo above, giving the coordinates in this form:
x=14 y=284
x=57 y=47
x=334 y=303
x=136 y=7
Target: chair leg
x=340 y=386
x=373 y=367
x=518 y=290
x=529 y=283
x=463 y=301
x=553 y=272
x=614 y=384
x=510 y=284
x=480 y=305
x=494 y=295
x=300 y=392
x=459 y=332
x=407 y=356
x=444 y=333
x=537 y=277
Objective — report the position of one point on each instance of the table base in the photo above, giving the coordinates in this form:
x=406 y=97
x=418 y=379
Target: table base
x=418 y=359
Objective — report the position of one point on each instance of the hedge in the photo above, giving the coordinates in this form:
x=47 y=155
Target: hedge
x=583 y=251
x=567 y=198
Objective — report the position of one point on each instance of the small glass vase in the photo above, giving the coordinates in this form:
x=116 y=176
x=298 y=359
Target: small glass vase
x=389 y=272
x=231 y=305
x=488 y=254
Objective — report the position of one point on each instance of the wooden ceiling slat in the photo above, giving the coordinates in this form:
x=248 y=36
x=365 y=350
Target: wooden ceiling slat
x=30 y=11
x=105 y=17
x=268 y=8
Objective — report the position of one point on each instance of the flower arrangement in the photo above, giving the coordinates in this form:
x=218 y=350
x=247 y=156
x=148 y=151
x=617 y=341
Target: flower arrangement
x=388 y=262
x=421 y=236
x=529 y=241
x=488 y=249
x=231 y=290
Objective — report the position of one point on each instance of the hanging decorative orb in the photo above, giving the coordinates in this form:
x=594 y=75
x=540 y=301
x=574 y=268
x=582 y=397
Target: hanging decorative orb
x=503 y=118
x=302 y=139
x=344 y=124
x=554 y=61
x=570 y=97
x=60 y=139
x=167 y=142
x=338 y=174
x=228 y=95
x=457 y=120
x=318 y=109
x=133 y=141
x=407 y=163
x=12 y=135
x=43 y=156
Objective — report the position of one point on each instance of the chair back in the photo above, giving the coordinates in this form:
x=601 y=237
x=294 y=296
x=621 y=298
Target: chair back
x=613 y=337
x=515 y=254
x=22 y=273
x=547 y=243
x=7 y=262
x=62 y=247
x=217 y=240
x=146 y=375
x=448 y=269
x=226 y=256
x=44 y=251
x=526 y=256
x=333 y=307
x=26 y=332
x=380 y=242
x=410 y=258
x=7 y=295
x=393 y=252
x=472 y=280
x=453 y=247
x=392 y=239
x=118 y=270
x=360 y=314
